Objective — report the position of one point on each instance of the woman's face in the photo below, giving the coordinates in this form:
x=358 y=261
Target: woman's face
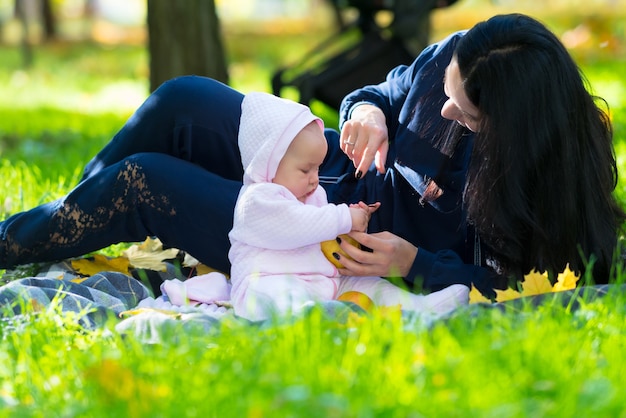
x=458 y=106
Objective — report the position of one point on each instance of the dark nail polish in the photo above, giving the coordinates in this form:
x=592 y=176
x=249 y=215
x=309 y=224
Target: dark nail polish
x=358 y=174
x=336 y=256
x=338 y=240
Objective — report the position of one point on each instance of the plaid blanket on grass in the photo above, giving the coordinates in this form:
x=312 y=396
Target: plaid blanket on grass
x=111 y=294
x=108 y=295
x=98 y=296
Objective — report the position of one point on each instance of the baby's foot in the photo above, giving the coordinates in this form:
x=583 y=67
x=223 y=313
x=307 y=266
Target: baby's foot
x=447 y=299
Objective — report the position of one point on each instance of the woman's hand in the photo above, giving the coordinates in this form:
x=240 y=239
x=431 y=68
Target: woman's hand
x=364 y=138
x=391 y=255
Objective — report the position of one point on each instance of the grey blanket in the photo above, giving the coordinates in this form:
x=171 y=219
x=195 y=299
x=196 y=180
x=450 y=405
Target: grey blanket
x=99 y=296
x=108 y=294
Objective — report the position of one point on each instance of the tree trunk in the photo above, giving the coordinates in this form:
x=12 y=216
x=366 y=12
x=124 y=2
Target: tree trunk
x=48 y=20
x=27 y=48
x=184 y=38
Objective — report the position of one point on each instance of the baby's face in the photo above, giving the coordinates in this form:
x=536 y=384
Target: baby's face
x=298 y=170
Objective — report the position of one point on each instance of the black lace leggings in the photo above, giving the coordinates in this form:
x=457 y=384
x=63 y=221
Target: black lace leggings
x=172 y=171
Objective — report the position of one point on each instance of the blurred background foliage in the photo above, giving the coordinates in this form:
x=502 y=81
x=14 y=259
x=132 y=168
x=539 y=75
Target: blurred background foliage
x=78 y=87
x=98 y=59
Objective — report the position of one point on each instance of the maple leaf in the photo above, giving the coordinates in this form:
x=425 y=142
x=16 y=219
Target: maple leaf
x=137 y=311
x=204 y=269
x=508 y=294
x=566 y=280
x=476 y=297
x=150 y=255
x=88 y=267
x=189 y=261
x=536 y=283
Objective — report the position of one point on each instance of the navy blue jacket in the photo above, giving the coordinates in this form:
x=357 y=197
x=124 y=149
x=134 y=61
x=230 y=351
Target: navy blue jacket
x=411 y=99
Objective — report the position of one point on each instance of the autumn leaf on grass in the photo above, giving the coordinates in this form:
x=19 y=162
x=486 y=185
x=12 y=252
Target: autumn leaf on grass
x=137 y=311
x=88 y=267
x=204 y=269
x=200 y=269
x=508 y=294
x=150 y=255
x=476 y=297
x=189 y=261
x=566 y=280
x=536 y=283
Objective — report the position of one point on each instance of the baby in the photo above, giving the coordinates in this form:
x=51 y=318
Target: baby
x=282 y=215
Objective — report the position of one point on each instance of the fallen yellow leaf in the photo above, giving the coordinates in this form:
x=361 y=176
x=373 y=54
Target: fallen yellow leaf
x=200 y=269
x=566 y=280
x=137 y=311
x=204 y=269
x=100 y=263
x=536 y=283
x=508 y=294
x=189 y=261
x=150 y=255
x=476 y=297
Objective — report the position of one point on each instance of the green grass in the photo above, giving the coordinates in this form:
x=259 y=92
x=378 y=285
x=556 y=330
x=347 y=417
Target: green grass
x=546 y=362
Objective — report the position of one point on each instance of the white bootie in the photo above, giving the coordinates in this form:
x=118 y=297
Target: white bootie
x=445 y=300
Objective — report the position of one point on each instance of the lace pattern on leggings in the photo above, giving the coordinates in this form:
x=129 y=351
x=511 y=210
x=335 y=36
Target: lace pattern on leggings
x=72 y=226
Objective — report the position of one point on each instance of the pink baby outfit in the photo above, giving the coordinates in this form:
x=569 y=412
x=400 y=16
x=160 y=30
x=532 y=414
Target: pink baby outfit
x=277 y=262
x=275 y=251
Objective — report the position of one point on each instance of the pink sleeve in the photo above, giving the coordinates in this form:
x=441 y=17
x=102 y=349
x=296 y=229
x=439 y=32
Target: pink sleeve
x=270 y=217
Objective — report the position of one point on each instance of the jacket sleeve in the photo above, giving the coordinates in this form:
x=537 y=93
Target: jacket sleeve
x=391 y=95
x=268 y=216
x=444 y=268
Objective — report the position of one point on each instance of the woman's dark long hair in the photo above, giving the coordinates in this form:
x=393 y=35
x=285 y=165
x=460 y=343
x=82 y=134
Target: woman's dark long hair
x=542 y=174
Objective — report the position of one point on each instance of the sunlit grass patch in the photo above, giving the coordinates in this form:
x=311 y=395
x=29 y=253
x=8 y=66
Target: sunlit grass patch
x=26 y=186
x=544 y=361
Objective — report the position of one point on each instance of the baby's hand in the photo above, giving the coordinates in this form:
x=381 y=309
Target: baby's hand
x=371 y=208
x=360 y=218
x=361 y=213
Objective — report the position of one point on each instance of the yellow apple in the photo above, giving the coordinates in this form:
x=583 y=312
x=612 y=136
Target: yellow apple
x=360 y=299
x=331 y=246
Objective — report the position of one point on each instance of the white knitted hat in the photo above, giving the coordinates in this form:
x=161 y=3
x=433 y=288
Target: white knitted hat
x=268 y=125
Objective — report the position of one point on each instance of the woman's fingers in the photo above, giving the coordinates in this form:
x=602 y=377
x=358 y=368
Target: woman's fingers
x=364 y=139
x=387 y=255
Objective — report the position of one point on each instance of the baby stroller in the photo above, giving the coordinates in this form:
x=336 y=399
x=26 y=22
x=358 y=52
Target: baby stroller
x=366 y=53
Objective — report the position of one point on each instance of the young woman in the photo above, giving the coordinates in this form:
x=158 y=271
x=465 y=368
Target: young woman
x=534 y=148
x=488 y=155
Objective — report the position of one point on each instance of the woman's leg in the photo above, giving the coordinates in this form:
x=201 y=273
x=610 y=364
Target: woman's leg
x=149 y=194
x=192 y=118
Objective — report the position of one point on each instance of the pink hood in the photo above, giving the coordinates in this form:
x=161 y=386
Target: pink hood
x=268 y=125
